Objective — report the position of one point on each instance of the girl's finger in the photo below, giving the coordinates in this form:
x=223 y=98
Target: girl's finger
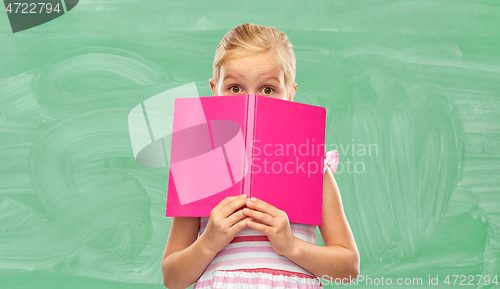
x=261 y=217
x=235 y=217
x=262 y=206
x=226 y=201
x=232 y=206
x=256 y=221
x=256 y=226
x=238 y=227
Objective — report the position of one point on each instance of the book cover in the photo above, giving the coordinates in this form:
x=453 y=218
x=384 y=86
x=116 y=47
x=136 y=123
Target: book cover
x=246 y=144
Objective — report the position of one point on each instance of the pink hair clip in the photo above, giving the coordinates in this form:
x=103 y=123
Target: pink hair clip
x=332 y=160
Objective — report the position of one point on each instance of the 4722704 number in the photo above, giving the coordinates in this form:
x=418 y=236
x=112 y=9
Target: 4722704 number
x=33 y=8
x=470 y=280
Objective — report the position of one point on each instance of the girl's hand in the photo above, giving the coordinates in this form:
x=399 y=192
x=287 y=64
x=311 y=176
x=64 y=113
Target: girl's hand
x=222 y=224
x=272 y=222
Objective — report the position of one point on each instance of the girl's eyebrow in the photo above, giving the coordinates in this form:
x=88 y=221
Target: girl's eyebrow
x=231 y=76
x=273 y=78
x=269 y=77
x=265 y=77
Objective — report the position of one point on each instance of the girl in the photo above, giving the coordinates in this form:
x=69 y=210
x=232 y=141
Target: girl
x=258 y=247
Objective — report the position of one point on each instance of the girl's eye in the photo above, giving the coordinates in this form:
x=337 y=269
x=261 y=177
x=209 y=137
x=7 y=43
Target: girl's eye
x=268 y=90
x=235 y=89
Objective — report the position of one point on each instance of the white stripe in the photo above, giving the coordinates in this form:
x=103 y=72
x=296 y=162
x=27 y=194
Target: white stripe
x=290 y=268
x=246 y=244
x=251 y=232
x=246 y=255
x=257 y=275
x=250 y=264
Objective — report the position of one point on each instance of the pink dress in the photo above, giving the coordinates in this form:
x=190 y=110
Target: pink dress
x=249 y=261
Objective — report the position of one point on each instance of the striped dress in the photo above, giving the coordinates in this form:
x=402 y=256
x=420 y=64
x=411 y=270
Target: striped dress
x=249 y=261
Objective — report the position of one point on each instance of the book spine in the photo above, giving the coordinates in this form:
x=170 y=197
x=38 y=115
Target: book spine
x=244 y=160
x=249 y=138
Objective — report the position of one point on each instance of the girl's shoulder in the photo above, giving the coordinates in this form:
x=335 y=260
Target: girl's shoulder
x=331 y=160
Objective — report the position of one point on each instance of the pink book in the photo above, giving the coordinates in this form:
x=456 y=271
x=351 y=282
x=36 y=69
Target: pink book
x=263 y=147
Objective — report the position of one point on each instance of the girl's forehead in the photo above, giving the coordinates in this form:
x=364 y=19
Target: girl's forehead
x=263 y=57
x=256 y=74
x=252 y=63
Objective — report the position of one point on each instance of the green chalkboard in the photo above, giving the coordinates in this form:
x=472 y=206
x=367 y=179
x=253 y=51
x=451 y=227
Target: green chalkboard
x=412 y=91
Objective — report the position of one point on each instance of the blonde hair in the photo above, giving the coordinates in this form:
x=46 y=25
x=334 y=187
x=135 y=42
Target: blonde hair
x=246 y=39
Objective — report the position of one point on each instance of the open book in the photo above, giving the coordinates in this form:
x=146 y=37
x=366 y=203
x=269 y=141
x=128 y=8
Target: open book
x=263 y=147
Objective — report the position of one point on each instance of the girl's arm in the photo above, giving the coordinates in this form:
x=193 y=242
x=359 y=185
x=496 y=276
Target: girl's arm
x=339 y=258
x=186 y=256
